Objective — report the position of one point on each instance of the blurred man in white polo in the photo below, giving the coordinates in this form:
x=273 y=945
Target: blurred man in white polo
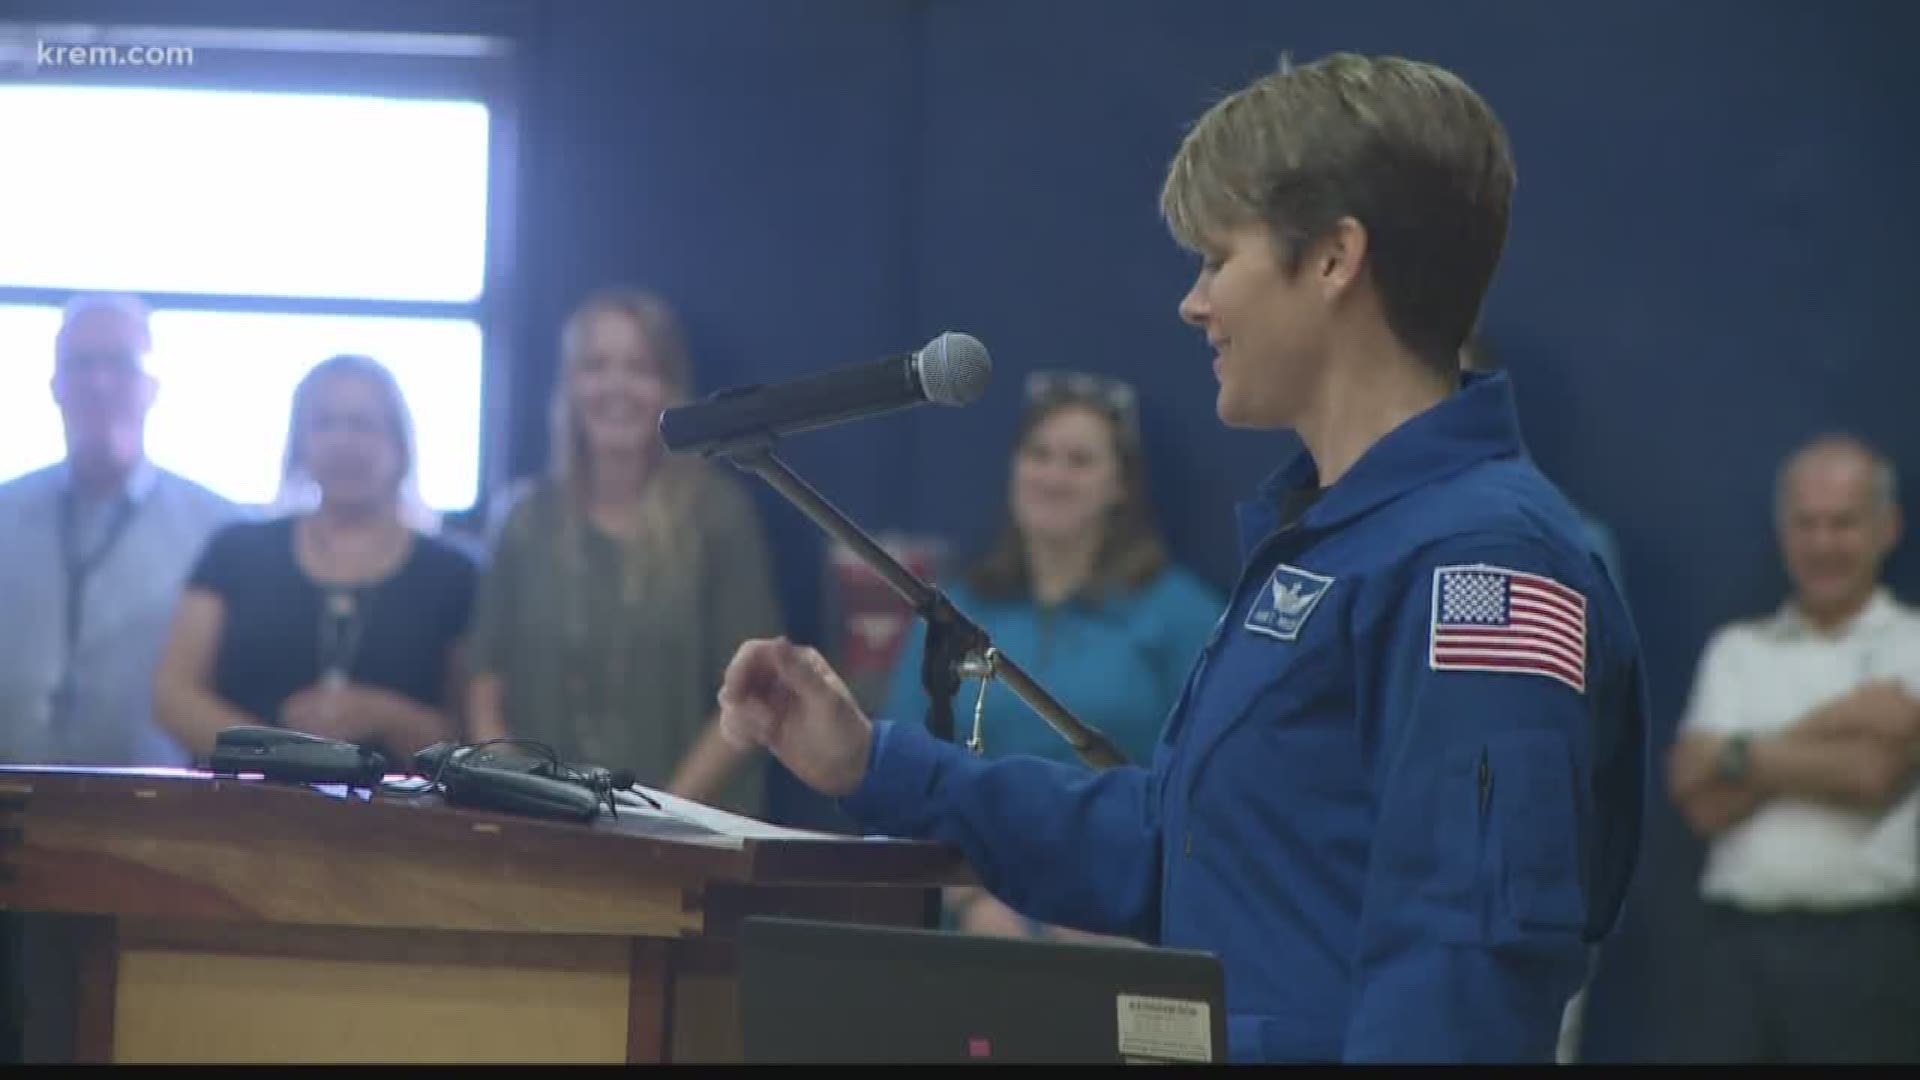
x=1797 y=760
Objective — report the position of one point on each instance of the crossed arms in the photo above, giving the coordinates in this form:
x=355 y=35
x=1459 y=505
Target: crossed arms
x=1858 y=752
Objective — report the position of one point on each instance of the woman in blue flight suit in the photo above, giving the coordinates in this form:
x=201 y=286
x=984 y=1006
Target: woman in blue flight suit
x=1401 y=794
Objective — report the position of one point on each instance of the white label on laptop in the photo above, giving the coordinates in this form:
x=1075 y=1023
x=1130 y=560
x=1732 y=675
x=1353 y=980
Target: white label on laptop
x=1164 y=1029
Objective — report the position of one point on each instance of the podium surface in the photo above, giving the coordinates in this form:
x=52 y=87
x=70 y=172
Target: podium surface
x=172 y=915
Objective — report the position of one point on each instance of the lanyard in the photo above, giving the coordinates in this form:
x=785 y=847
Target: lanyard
x=79 y=567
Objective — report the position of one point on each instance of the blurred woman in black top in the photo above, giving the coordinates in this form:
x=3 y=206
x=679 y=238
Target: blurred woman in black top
x=343 y=619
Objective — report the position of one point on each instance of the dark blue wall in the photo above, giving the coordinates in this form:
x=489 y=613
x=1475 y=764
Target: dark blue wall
x=749 y=161
x=1708 y=261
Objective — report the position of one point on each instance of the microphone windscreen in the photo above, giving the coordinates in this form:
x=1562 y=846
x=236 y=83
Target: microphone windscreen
x=954 y=369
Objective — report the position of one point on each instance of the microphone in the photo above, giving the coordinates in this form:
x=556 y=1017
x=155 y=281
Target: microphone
x=952 y=369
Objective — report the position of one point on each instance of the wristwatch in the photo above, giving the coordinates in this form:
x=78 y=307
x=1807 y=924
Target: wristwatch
x=1734 y=759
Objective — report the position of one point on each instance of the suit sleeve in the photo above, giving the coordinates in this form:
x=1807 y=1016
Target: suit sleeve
x=1474 y=912
x=1054 y=842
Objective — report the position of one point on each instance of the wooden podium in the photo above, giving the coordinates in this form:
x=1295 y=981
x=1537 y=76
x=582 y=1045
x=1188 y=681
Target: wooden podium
x=171 y=916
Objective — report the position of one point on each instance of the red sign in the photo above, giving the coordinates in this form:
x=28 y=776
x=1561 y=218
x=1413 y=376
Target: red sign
x=869 y=622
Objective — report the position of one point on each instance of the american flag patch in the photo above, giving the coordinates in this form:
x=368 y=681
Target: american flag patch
x=1490 y=618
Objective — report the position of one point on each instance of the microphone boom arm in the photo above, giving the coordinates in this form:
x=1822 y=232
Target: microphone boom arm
x=928 y=603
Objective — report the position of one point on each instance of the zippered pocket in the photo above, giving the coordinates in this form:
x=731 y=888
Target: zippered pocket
x=1486 y=840
x=1530 y=829
x=1485 y=787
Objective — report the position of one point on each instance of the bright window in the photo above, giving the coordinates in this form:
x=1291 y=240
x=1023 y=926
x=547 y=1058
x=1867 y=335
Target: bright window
x=271 y=230
x=226 y=392
x=203 y=191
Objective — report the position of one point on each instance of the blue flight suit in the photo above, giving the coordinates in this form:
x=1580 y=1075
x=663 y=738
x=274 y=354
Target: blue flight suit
x=1403 y=790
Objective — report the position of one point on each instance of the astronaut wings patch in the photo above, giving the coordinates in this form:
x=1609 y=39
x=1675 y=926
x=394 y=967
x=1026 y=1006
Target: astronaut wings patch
x=1491 y=618
x=1283 y=604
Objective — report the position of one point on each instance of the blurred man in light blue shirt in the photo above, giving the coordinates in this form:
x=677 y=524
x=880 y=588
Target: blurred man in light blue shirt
x=93 y=552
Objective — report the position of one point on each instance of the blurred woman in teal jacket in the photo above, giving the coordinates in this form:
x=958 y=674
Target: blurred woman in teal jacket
x=1078 y=590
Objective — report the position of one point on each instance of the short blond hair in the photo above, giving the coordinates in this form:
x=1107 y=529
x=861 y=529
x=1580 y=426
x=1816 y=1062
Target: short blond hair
x=1406 y=148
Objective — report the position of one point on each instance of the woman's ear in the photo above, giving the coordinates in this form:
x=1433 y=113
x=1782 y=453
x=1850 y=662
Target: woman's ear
x=1338 y=257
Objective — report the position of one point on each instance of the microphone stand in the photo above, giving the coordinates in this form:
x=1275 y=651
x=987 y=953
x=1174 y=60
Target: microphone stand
x=955 y=646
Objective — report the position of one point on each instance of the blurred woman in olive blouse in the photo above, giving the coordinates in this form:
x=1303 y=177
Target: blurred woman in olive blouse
x=621 y=583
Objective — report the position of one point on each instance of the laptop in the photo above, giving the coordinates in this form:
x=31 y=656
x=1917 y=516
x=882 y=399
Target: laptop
x=832 y=993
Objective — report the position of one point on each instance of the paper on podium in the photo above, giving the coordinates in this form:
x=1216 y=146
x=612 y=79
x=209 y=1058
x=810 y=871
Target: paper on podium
x=733 y=828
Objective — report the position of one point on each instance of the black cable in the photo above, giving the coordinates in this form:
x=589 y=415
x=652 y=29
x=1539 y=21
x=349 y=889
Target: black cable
x=605 y=783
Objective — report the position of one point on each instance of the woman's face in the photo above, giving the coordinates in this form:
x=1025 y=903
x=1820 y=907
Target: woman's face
x=616 y=385
x=1066 y=477
x=1268 y=328
x=351 y=448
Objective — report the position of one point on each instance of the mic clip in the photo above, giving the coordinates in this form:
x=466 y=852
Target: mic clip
x=295 y=757
x=981 y=668
x=537 y=784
